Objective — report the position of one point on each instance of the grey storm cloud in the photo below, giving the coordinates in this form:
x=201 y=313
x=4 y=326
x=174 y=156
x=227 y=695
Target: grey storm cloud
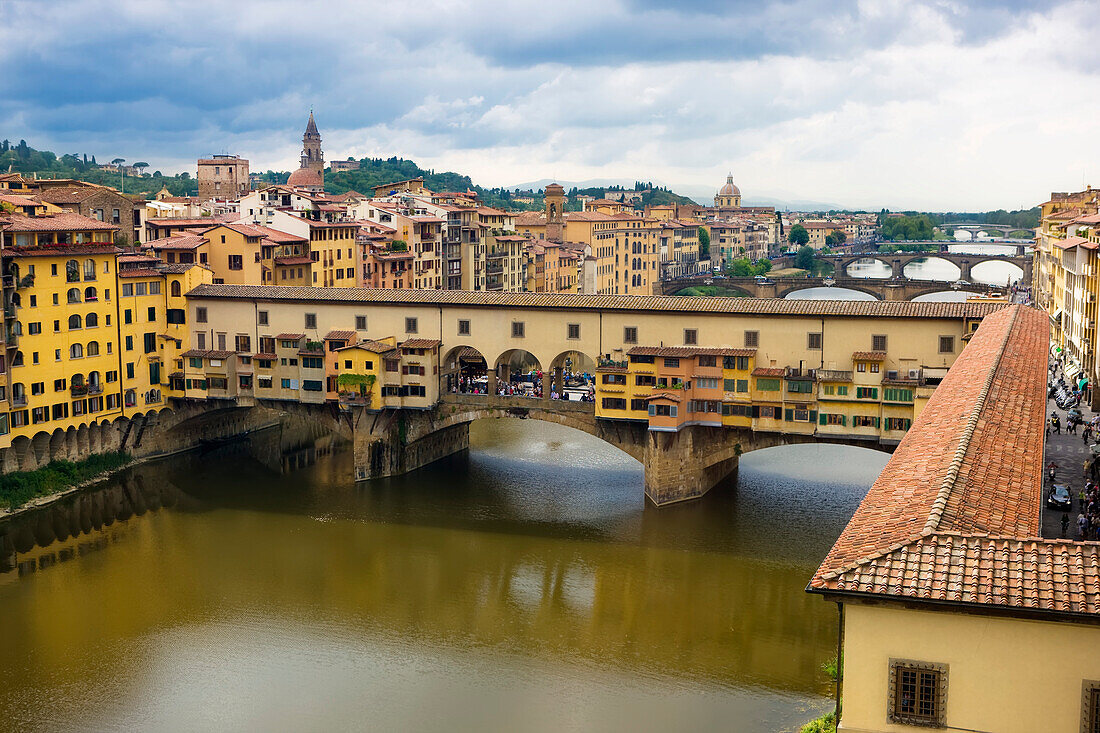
x=616 y=81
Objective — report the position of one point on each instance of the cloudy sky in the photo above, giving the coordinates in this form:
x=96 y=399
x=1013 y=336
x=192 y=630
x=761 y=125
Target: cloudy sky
x=932 y=104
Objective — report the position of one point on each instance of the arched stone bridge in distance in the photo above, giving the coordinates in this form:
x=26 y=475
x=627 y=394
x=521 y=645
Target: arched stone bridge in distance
x=781 y=287
x=897 y=261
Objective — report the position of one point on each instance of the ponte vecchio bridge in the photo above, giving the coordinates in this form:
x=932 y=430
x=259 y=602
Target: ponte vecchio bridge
x=683 y=385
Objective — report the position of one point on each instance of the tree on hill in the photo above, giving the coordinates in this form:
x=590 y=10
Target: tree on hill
x=798 y=235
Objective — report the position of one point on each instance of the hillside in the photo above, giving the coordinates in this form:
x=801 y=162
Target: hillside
x=21 y=158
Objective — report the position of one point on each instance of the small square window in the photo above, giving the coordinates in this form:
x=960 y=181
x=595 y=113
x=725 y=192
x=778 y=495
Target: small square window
x=311 y=320
x=261 y=318
x=573 y=330
x=200 y=315
x=878 y=342
x=917 y=693
x=517 y=329
x=813 y=341
x=463 y=327
x=752 y=339
x=947 y=344
x=630 y=334
x=691 y=337
x=410 y=325
x=360 y=323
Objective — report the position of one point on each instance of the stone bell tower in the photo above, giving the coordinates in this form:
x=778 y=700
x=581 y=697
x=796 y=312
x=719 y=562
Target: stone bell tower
x=555 y=213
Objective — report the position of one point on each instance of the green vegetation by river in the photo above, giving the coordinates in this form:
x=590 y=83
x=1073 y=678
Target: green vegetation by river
x=16 y=489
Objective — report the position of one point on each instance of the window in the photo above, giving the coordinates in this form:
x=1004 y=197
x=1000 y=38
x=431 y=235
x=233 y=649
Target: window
x=614 y=379
x=360 y=323
x=630 y=334
x=236 y=262
x=74 y=321
x=867 y=393
x=313 y=362
x=614 y=403
x=842 y=389
x=139 y=288
x=769 y=412
x=411 y=325
x=691 y=336
x=878 y=342
x=874 y=367
x=177 y=290
x=200 y=315
x=150 y=340
x=72 y=271
x=637 y=404
x=40 y=387
x=893 y=394
x=737 y=410
x=311 y=320
x=861 y=366
x=313 y=385
x=752 y=339
x=129 y=343
x=463 y=328
x=243 y=343
x=90 y=295
x=897 y=423
x=573 y=331
x=800 y=387
x=73 y=295
x=918 y=693
x=641 y=359
x=767 y=385
x=154 y=288
x=127 y=289
x=517 y=329
x=130 y=370
x=93 y=348
x=662 y=410
x=830 y=419
x=261 y=318
x=76 y=351
x=813 y=341
x=152 y=313
x=1090 y=714
x=947 y=344
x=708 y=361
x=33 y=328
x=864 y=421
x=174 y=316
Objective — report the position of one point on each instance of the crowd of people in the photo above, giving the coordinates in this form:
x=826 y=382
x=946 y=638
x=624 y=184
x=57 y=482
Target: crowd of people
x=1088 y=521
x=528 y=385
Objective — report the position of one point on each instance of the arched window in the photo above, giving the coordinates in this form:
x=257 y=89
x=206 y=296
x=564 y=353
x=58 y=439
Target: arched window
x=89 y=269
x=91 y=320
x=74 y=321
x=93 y=348
x=90 y=295
x=72 y=271
x=176 y=289
x=93 y=379
x=76 y=351
x=77 y=380
x=18 y=392
x=131 y=398
x=74 y=293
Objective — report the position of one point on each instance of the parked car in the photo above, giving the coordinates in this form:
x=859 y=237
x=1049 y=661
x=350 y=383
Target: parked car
x=1059 y=498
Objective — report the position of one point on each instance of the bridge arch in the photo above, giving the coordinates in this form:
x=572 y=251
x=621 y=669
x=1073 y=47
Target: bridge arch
x=983 y=267
x=567 y=365
x=784 y=292
x=846 y=264
x=462 y=366
x=517 y=362
x=951 y=270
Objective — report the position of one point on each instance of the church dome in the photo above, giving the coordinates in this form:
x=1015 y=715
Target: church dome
x=304 y=178
x=729 y=189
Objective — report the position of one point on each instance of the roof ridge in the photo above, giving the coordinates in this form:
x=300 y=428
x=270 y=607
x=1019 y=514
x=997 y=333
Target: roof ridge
x=949 y=480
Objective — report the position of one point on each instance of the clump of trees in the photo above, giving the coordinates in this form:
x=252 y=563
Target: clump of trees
x=743 y=267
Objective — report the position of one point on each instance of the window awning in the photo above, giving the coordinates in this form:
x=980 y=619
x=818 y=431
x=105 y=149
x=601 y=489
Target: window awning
x=1072 y=371
x=1056 y=316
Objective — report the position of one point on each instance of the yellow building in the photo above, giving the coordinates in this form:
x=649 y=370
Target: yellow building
x=1067 y=280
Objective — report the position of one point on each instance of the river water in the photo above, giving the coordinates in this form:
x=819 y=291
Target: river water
x=524 y=585
x=993 y=273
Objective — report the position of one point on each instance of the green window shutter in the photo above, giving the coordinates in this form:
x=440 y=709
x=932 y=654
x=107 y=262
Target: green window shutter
x=813 y=415
x=843 y=419
x=789 y=414
x=877 y=424
x=821 y=419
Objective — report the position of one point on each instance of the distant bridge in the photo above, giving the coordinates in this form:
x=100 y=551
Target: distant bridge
x=781 y=287
x=897 y=261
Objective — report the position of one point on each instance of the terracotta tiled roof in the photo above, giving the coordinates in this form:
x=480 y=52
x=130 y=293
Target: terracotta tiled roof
x=747 y=306
x=339 y=335
x=1069 y=242
x=209 y=222
x=179 y=241
x=296 y=260
x=954 y=516
x=869 y=355
x=61 y=222
x=768 y=372
x=290 y=336
x=688 y=351
x=420 y=344
x=205 y=354
x=140 y=272
x=375 y=347
x=265 y=356
x=665 y=396
x=277 y=236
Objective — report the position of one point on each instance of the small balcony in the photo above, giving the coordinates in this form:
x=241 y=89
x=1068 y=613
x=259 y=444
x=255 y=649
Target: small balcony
x=19 y=401
x=800 y=373
x=834 y=375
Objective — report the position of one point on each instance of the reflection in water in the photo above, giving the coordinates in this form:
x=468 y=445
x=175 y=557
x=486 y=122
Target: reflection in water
x=525 y=584
x=992 y=272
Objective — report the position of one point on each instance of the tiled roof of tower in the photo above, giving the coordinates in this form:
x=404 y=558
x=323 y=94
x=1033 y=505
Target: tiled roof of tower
x=954 y=516
x=663 y=303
